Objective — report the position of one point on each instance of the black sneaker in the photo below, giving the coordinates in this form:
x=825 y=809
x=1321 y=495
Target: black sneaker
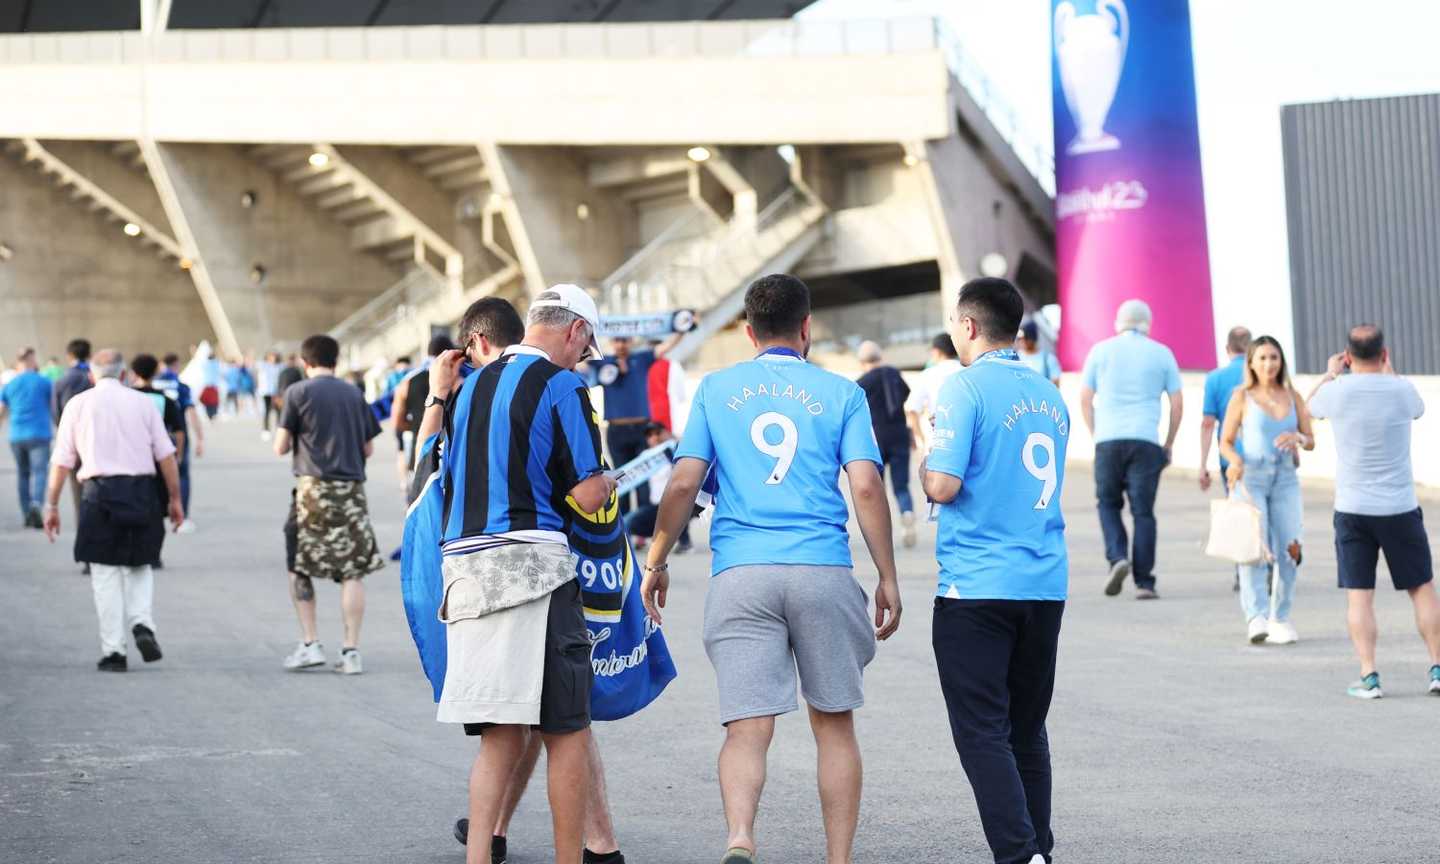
x=145 y=641
x=608 y=858
x=85 y=569
x=497 y=844
x=111 y=663
x=33 y=518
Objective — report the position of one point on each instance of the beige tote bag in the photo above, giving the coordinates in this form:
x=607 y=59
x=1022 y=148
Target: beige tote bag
x=1237 y=529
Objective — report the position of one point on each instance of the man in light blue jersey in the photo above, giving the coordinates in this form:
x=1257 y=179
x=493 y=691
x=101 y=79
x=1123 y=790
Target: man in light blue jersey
x=777 y=432
x=996 y=469
x=1123 y=379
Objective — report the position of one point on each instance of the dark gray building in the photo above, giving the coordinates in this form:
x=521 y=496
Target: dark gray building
x=1362 y=190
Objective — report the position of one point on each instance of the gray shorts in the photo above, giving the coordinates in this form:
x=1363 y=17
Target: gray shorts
x=763 y=623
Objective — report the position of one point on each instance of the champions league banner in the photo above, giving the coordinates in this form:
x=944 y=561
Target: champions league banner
x=1130 y=203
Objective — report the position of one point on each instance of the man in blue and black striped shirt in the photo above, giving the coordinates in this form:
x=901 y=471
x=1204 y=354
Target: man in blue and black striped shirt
x=518 y=653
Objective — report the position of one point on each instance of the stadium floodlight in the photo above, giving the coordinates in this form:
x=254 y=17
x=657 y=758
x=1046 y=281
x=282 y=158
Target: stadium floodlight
x=319 y=160
x=911 y=160
x=132 y=229
x=698 y=154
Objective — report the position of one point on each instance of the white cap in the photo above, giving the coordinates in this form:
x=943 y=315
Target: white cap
x=573 y=297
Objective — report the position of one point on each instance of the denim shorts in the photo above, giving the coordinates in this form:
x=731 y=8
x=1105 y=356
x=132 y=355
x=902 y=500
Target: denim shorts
x=1359 y=539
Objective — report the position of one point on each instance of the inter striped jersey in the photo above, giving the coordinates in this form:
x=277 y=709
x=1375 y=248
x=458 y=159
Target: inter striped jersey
x=526 y=436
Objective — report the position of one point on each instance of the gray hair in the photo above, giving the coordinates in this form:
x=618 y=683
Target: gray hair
x=107 y=363
x=1133 y=315
x=553 y=317
x=869 y=352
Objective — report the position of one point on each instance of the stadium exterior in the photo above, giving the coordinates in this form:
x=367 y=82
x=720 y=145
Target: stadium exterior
x=255 y=184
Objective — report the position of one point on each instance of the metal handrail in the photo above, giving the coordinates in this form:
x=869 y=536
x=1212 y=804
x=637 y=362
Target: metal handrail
x=664 y=238
x=1037 y=157
x=704 y=271
x=384 y=309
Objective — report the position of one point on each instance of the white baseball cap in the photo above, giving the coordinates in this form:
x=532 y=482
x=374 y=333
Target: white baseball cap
x=577 y=300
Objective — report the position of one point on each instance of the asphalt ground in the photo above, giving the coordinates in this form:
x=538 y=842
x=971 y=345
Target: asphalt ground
x=1173 y=739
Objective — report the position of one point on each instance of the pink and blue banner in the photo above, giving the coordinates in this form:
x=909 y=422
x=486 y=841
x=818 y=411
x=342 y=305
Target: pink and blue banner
x=1130 y=201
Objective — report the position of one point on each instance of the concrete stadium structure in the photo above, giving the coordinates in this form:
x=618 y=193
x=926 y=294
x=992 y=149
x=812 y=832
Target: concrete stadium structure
x=308 y=169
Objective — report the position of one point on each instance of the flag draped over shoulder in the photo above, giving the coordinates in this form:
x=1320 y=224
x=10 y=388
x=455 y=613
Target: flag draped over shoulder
x=421 y=584
x=628 y=652
x=631 y=661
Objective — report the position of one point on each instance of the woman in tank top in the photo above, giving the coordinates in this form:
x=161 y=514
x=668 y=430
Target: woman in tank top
x=1271 y=423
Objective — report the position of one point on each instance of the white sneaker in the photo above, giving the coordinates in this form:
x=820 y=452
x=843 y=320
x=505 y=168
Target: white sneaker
x=1259 y=629
x=265 y=435
x=908 y=535
x=186 y=527
x=349 y=663
x=1038 y=859
x=305 y=656
x=1282 y=633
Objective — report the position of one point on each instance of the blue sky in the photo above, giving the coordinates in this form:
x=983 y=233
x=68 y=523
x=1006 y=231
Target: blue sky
x=1250 y=59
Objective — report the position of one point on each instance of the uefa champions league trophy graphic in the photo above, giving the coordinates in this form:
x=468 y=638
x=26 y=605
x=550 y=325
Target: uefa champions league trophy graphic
x=1091 y=52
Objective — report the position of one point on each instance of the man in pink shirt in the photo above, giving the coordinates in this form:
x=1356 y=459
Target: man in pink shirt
x=119 y=441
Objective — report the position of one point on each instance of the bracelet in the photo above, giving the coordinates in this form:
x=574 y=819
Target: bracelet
x=661 y=569
x=52 y=506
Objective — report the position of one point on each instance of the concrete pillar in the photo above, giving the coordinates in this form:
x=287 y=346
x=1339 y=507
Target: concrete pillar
x=282 y=269
x=72 y=274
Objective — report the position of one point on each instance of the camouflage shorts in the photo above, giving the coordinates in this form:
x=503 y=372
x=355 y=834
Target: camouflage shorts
x=332 y=535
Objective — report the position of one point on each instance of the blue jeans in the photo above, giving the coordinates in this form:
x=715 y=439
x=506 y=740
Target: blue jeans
x=32 y=456
x=183 y=468
x=1129 y=470
x=1274 y=487
x=896 y=456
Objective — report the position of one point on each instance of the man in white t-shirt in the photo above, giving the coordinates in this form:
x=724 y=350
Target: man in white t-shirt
x=920 y=407
x=1371 y=410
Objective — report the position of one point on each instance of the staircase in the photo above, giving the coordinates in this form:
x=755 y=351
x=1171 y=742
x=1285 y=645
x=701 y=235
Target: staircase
x=85 y=192
x=697 y=264
x=378 y=223
x=397 y=321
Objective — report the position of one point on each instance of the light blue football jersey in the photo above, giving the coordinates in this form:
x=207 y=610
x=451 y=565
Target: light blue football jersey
x=778 y=430
x=1002 y=429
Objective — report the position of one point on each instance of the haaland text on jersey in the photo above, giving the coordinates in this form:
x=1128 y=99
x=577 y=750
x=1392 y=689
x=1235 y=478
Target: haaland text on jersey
x=811 y=403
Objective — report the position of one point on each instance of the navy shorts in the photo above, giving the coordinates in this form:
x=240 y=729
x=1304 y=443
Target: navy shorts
x=1360 y=539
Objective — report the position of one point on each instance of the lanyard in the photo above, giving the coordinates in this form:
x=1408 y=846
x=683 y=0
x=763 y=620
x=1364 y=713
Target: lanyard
x=781 y=352
x=996 y=355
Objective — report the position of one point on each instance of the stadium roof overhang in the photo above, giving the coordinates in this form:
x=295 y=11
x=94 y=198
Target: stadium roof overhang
x=60 y=16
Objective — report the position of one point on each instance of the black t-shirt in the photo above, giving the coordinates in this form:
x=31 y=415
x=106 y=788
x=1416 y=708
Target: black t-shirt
x=886 y=392
x=289 y=375
x=330 y=422
x=169 y=409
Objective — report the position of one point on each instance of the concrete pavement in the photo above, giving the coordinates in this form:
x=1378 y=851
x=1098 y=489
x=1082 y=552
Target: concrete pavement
x=1173 y=739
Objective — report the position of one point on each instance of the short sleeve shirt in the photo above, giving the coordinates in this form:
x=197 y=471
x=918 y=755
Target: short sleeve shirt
x=886 y=392
x=524 y=435
x=626 y=393
x=330 y=423
x=1129 y=373
x=27 y=398
x=169 y=409
x=1003 y=430
x=1044 y=363
x=777 y=430
x=1219 y=386
x=1372 y=417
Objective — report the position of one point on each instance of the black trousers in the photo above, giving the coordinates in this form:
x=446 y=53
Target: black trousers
x=997 y=669
x=626 y=441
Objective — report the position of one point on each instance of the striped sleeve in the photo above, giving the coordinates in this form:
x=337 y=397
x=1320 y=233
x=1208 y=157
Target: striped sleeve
x=575 y=424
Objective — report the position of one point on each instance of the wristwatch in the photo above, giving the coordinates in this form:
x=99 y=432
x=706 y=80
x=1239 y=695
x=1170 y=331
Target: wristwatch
x=432 y=399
